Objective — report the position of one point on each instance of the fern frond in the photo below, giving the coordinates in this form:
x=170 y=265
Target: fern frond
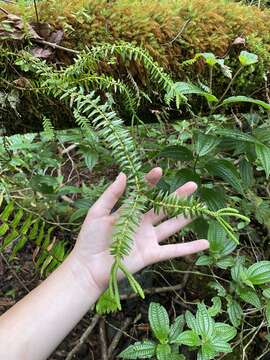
x=48 y=128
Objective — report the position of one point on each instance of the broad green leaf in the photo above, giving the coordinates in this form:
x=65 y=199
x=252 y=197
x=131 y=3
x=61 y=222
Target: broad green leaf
x=214 y=198
x=224 y=331
x=236 y=135
x=249 y=296
x=205 y=144
x=209 y=58
x=226 y=262
x=159 y=321
x=267 y=312
x=188 y=338
x=218 y=287
x=216 y=307
x=208 y=351
x=176 y=356
x=189 y=89
x=235 y=312
x=180 y=177
x=204 y=260
x=191 y=322
x=259 y=273
x=239 y=99
x=220 y=345
x=140 y=350
x=263 y=154
x=237 y=272
x=246 y=173
x=246 y=58
x=225 y=170
x=176 y=328
x=266 y=293
x=176 y=152
x=204 y=321
x=216 y=237
x=163 y=352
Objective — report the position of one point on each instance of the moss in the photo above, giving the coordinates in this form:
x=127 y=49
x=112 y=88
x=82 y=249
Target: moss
x=162 y=27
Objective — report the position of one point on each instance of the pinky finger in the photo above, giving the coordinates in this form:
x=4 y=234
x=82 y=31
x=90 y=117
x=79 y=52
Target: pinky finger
x=167 y=252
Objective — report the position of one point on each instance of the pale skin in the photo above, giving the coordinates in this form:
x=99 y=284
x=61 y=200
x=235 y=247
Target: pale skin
x=35 y=326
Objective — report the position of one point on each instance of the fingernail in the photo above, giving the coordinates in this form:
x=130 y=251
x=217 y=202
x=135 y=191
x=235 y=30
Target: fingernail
x=119 y=175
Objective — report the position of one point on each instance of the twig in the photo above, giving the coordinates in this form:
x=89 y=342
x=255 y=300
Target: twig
x=55 y=46
x=153 y=291
x=68 y=149
x=183 y=28
x=117 y=337
x=14 y=273
x=83 y=338
x=102 y=334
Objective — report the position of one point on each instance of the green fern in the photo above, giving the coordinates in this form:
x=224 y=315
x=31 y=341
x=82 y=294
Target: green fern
x=48 y=128
x=92 y=113
x=20 y=227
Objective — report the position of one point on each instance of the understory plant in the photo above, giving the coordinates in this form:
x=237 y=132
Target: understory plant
x=213 y=144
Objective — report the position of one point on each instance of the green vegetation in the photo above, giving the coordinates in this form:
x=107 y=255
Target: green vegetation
x=211 y=126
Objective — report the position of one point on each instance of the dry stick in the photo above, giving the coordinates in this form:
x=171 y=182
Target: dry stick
x=118 y=336
x=153 y=291
x=102 y=334
x=55 y=46
x=183 y=28
x=83 y=338
x=14 y=273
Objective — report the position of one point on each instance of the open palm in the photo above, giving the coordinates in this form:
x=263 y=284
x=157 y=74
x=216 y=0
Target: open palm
x=93 y=244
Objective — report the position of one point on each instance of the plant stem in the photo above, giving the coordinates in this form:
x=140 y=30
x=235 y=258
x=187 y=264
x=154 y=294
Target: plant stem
x=230 y=84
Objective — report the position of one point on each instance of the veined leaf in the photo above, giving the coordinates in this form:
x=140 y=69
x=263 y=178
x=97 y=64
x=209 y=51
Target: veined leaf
x=239 y=99
x=246 y=58
x=263 y=154
x=249 y=296
x=163 y=352
x=188 y=338
x=226 y=262
x=207 y=351
x=246 y=172
x=205 y=144
x=237 y=135
x=266 y=293
x=140 y=350
x=267 y=312
x=235 y=312
x=204 y=260
x=225 y=170
x=159 y=321
x=177 y=152
x=189 y=89
x=259 y=273
x=218 y=287
x=220 y=345
x=216 y=307
x=191 y=322
x=204 y=321
x=224 y=331
x=176 y=328
x=214 y=198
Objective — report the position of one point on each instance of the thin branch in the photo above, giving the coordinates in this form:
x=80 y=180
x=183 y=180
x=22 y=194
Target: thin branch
x=183 y=28
x=55 y=46
x=103 y=341
x=118 y=336
x=84 y=337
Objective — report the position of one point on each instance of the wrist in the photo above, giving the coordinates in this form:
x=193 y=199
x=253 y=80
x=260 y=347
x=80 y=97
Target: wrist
x=83 y=276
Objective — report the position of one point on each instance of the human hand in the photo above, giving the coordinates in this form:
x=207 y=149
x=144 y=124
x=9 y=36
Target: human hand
x=92 y=249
